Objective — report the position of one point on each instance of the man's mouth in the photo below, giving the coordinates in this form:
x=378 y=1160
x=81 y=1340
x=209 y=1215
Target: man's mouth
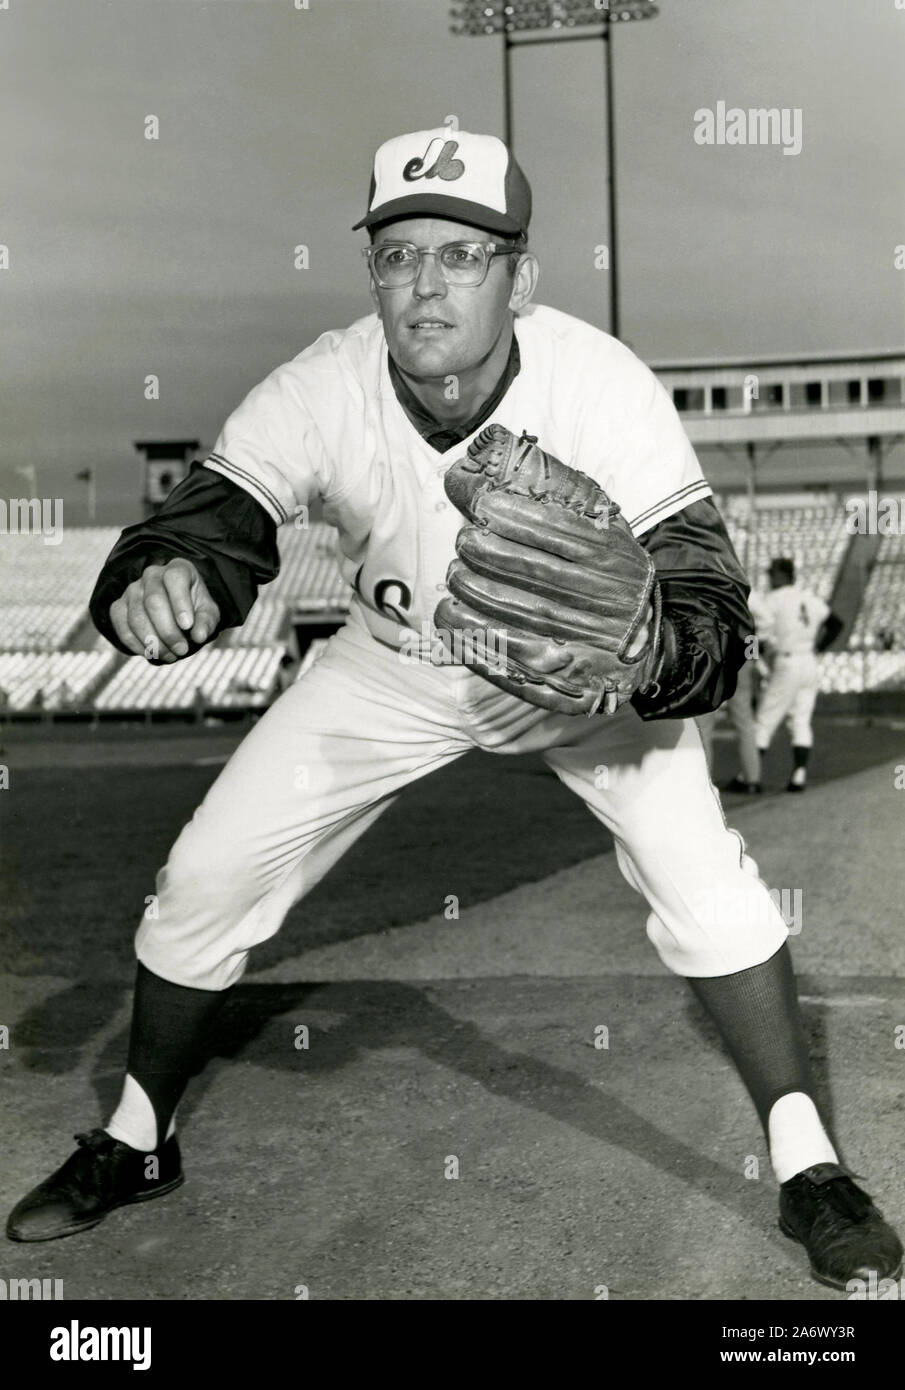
x=424 y=325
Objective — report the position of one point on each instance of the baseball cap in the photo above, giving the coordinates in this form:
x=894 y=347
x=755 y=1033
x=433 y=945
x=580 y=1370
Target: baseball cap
x=449 y=173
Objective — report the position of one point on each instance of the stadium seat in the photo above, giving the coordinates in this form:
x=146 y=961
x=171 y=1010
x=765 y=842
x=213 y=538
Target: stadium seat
x=813 y=535
x=34 y=572
x=221 y=677
x=50 y=680
x=38 y=627
x=881 y=619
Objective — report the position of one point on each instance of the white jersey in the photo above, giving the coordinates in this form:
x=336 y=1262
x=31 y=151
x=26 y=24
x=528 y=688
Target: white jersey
x=328 y=425
x=363 y=724
x=790 y=619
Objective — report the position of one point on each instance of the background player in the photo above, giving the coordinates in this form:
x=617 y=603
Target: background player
x=368 y=419
x=740 y=710
x=794 y=626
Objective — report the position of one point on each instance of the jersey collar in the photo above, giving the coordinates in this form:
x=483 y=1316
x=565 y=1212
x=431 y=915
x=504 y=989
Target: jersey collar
x=441 y=435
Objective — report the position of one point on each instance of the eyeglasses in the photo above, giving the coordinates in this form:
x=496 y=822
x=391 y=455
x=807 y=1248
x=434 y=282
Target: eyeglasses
x=395 y=264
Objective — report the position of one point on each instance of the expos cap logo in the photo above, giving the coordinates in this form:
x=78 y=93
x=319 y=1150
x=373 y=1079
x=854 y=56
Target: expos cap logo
x=445 y=166
x=472 y=179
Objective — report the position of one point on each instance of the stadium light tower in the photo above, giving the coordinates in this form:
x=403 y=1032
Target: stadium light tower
x=524 y=22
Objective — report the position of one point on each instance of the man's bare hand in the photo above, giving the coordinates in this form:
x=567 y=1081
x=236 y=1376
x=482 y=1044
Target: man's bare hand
x=642 y=636
x=157 y=613
x=611 y=701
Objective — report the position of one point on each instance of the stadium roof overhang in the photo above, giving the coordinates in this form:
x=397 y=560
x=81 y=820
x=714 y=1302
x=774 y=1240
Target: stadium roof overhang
x=791 y=427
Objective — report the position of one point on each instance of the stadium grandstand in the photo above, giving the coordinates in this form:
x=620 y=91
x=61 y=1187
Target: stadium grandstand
x=880 y=618
x=811 y=532
x=53 y=662
x=827 y=433
x=217 y=677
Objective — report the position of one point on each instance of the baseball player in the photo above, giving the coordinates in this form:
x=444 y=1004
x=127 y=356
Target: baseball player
x=551 y=429
x=740 y=709
x=795 y=626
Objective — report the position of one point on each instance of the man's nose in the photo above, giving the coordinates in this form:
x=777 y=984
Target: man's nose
x=429 y=282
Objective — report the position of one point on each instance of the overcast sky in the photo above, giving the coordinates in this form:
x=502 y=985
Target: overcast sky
x=174 y=257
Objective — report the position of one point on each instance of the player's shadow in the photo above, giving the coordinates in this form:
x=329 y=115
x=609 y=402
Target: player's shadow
x=51 y=1036
x=258 y=1023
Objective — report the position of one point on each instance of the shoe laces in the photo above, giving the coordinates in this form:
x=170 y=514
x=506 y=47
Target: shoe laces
x=846 y=1198
x=90 y=1167
x=97 y=1140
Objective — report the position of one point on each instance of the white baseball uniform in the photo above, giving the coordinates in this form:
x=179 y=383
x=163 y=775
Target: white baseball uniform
x=367 y=719
x=789 y=618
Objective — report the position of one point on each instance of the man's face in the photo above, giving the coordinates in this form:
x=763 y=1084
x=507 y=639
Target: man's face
x=434 y=330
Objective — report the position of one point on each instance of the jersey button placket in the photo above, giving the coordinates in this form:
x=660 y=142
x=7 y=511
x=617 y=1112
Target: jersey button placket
x=434 y=531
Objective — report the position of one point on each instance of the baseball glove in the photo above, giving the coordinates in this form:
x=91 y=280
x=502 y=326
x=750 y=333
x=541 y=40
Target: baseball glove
x=550 y=591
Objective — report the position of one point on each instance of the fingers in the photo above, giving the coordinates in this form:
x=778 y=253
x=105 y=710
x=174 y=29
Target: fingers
x=177 y=581
x=206 y=611
x=119 y=619
x=639 y=643
x=195 y=610
x=161 y=611
x=642 y=637
x=151 y=614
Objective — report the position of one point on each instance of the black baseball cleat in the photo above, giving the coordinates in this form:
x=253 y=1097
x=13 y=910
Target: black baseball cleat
x=738 y=784
x=839 y=1226
x=796 y=787
x=99 y=1176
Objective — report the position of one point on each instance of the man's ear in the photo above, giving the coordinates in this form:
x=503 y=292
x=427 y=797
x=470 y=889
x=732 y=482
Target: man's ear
x=524 y=281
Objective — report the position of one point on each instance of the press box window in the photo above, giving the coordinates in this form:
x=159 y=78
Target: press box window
x=883 y=390
x=805 y=395
x=770 y=396
x=845 y=392
x=688 y=398
x=727 y=398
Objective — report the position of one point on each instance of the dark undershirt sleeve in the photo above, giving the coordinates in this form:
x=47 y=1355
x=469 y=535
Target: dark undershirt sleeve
x=828 y=631
x=706 y=620
x=228 y=536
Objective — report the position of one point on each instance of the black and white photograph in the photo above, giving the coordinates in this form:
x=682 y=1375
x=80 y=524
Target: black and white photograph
x=452 y=664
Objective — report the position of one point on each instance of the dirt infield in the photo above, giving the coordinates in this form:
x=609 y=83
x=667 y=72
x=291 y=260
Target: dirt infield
x=432 y=1040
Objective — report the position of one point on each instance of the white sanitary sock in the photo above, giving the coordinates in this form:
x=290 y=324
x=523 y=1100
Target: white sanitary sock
x=134 y=1122
x=797 y=1136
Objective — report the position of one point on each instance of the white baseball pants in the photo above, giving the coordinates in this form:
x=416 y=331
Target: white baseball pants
x=740 y=710
x=337 y=747
x=790 y=694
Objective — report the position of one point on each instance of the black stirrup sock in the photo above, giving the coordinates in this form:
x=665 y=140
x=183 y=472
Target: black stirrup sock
x=757 y=1014
x=169 y=1023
